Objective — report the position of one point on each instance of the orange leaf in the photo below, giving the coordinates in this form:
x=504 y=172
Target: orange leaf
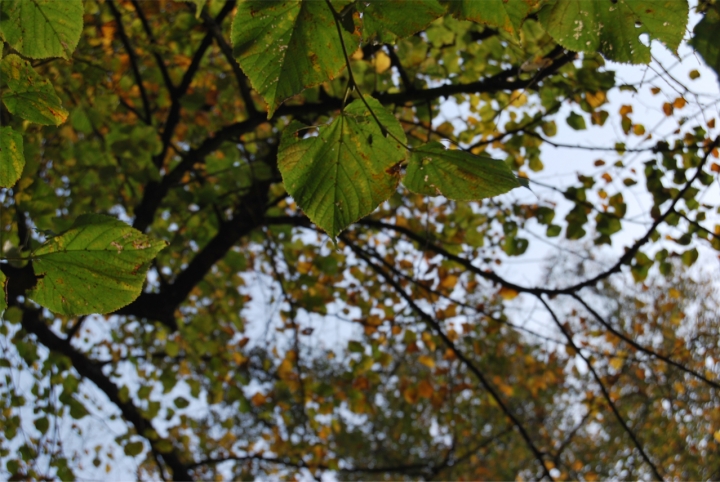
x=626 y=109
x=425 y=389
x=258 y=399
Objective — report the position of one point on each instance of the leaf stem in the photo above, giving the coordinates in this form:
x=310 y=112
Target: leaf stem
x=351 y=77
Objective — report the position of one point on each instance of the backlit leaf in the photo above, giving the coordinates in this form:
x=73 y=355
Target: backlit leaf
x=28 y=95
x=459 y=175
x=12 y=160
x=507 y=15
x=387 y=19
x=286 y=47
x=42 y=28
x=346 y=171
x=614 y=28
x=96 y=266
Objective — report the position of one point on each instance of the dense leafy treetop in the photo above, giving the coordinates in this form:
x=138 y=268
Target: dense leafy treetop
x=232 y=183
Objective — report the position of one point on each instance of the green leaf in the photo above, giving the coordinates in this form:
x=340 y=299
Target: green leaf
x=689 y=257
x=42 y=424
x=607 y=224
x=387 y=19
x=507 y=15
x=12 y=160
x=286 y=47
x=346 y=171
x=96 y=266
x=459 y=175
x=576 y=121
x=42 y=28
x=614 y=27
x=28 y=95
x=134 y=448
x=705 y=40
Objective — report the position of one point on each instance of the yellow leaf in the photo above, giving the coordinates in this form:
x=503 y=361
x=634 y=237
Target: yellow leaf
x=427 y=361
x=616 y=363
x=595 y=99
x=428 y=340
x=410 y=394
x=382 y=62
x=449 y=281
x=716 y=436
x=507 y=293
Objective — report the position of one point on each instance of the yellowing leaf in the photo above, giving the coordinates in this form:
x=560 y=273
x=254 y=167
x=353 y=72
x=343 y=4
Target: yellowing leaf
x=427 y=361
x=12 y=159
x=28 y=95
x=96 y=266
x=507 y=293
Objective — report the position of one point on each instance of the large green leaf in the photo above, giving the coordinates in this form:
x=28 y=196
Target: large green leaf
x=705 y=39
x=614 y=27
x=12 y=159
x=96 y=266
x=286 y=47
x=28 y=95
x=459 y=175
x=42 y=28
x=387 y=19
x=347 y=170
x=507 y=15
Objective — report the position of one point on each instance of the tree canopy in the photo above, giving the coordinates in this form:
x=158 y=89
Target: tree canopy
x=243 y=239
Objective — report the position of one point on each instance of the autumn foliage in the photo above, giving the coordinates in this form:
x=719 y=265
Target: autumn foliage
x=294 y=239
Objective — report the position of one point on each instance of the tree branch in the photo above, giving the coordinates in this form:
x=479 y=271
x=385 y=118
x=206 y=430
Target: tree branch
x=133 y=61
x=604 y=391
x=449 y=343
x=33 y=323
x=158 y=58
